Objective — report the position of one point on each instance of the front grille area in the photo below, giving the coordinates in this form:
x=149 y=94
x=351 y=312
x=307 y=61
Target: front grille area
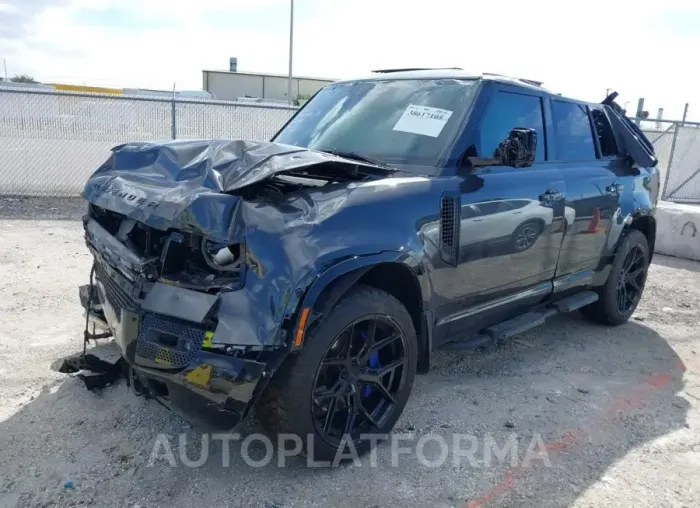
x=171 y=343
x=181 y=256
x=117 y=297
x=183 y=341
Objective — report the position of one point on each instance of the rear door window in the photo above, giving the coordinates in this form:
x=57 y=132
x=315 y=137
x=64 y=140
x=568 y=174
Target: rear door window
x=508 y=110
x=572 y=131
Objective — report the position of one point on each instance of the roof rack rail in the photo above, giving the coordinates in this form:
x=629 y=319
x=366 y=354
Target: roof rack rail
x=385 y=71
x=531 y=82
x=528 y=81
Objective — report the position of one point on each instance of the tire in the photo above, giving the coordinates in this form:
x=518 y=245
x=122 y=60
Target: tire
x=288 y=404
x=520 y=242
x=606 y=309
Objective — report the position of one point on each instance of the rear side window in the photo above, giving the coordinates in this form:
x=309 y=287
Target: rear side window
x=505 y=112
x=606 y=137
x=572 y=131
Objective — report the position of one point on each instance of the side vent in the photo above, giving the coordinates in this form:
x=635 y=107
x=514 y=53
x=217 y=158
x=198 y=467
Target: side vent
x=450 y=216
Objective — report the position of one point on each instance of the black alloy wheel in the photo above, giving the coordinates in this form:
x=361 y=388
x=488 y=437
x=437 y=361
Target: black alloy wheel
x=349 y=383
x=359 y=379
x=631 y=280
x=619 y=296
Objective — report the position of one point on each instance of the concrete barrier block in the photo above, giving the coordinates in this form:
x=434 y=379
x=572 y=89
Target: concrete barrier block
x=678 y=230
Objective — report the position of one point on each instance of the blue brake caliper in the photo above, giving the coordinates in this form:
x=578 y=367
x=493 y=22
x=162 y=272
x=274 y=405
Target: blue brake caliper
x=373 y=364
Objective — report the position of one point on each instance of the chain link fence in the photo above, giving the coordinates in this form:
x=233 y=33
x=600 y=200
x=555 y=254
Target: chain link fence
x=677 y=146
x=51 y=142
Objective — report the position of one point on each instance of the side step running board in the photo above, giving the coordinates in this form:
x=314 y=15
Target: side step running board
x=573 y=302
x=517 y=325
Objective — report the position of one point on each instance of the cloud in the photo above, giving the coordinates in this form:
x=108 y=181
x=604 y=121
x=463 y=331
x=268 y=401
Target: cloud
x=16 y=16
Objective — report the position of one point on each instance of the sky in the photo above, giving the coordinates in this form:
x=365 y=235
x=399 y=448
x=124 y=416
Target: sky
x=639 y=48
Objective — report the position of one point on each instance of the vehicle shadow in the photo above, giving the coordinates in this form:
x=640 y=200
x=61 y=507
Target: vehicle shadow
x=590 y=394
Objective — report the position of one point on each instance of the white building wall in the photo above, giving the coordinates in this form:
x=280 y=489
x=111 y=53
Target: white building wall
x=233 y=85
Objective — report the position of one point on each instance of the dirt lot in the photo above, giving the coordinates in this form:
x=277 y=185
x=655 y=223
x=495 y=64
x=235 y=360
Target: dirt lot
x=615 y=411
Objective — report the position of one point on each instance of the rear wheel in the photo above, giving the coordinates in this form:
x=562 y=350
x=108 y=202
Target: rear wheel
x=352 y=378
x=621 y=293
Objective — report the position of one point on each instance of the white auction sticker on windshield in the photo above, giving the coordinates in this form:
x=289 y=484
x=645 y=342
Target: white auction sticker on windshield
x=423 y=120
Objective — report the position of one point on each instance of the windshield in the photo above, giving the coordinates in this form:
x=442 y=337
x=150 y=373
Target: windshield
x=395 y=121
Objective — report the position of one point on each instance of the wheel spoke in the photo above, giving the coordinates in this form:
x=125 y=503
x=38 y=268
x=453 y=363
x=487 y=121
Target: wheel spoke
x=347 y=345
x=382 y=344
x=372 y=332
x=633 y=278
x=374 y=376
x=366 y=348
x=632 y=282
x=635 y=273
x=360 y=406
x=325 y=392
x=352 y=414
x=621 y=298
x=329 y=414
x=627 y=264
x=638 y=258
x=382 y=390
x=390 y=368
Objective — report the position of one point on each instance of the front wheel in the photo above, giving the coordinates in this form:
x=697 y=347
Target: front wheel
x=621 y=293
x=350 y=381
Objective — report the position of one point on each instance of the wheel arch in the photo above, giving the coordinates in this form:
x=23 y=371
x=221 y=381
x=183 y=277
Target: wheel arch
x=646 y=224
x=390 y=272
x=531 y=220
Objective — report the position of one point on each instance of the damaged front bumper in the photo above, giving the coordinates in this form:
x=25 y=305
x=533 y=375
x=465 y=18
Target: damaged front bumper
x=170 y=358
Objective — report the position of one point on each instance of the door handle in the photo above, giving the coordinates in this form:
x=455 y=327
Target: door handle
x=550 y=195
x=615 y=188
x=478 y=220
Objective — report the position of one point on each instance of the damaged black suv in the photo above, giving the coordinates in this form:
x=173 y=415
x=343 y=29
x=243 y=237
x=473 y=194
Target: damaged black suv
x=312 y=275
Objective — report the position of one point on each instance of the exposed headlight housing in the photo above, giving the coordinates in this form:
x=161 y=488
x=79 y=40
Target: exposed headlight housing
x=221 y=257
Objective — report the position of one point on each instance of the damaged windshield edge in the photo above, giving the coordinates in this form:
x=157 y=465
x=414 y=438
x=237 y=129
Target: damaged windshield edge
x=397 y=122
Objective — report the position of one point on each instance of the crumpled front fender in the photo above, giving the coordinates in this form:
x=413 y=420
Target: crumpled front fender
x=301 y=242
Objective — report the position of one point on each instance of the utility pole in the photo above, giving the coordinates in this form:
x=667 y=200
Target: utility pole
x=640 y=110
x=291 y=51
x=4 y=64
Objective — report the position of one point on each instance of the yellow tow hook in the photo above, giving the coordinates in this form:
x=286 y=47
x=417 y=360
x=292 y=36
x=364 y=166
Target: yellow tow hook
x=200 y=375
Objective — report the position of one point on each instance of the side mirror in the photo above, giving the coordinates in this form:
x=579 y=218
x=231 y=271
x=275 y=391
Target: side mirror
x=518 y=149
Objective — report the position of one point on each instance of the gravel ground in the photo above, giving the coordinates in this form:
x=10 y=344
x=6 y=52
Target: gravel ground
x=28 y=208
x=613 y=411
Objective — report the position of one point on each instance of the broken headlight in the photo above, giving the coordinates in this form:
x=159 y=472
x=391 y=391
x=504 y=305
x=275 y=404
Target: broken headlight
x=221 y=257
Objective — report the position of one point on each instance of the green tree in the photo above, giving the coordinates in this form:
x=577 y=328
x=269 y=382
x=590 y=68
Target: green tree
x=301 y=99
x=23 y=78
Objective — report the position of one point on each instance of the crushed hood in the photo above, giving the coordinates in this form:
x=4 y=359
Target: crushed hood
x=189 y=185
